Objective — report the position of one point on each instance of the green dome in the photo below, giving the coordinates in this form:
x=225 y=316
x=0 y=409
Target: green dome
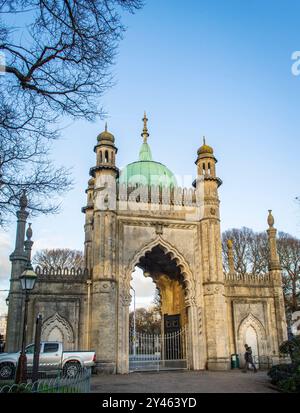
x=146 y=171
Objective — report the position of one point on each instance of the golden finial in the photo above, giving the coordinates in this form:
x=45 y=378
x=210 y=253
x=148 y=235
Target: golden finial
x=229 y=244
x=270 y=219
x=145 y=133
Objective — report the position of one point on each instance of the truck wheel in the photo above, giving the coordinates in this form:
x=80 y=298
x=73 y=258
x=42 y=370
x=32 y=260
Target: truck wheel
x=7 y=371
x=71 y=369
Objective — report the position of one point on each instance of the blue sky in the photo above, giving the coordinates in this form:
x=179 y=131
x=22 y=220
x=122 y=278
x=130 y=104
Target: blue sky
x=214 y=68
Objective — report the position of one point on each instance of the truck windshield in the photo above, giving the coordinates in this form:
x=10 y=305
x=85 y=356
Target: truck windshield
x=30 y=349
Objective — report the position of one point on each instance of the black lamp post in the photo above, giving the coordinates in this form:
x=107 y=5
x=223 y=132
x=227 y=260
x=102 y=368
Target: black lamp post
x=27 y=279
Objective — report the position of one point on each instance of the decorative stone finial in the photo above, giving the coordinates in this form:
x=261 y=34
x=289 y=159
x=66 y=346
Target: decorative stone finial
x=229 y=244
x=145 y=133
x=29 y=232
x=105 y=126
x=204 y=143
x=23 y=200
x=270 y=219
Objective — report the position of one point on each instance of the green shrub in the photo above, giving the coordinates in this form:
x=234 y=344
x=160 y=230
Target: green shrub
x=281 y=372
x=287 y=376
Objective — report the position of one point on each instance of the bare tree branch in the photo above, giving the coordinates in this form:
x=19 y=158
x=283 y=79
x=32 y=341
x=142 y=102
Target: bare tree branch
x=57 y=65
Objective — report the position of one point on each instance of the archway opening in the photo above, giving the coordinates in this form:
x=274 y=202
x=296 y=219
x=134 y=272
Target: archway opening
x=145 y=314
x=160 y=341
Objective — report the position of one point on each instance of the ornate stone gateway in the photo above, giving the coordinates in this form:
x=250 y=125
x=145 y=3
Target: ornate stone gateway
x=166 y=351
x=140 y=216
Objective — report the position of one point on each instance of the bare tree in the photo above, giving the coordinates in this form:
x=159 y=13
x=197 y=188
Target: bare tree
x=58 y=56
x=250 y=251
x=289 y=253
x=64 y=258
x=148 y=320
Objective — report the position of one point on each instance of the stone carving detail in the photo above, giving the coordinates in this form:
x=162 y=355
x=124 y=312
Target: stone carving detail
x=105 y=286
x=159 y=229
x=200 y=320
x=58 y=325
x=210 y=289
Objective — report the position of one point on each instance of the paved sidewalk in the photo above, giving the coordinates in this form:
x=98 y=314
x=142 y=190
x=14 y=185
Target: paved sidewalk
x=183 y=382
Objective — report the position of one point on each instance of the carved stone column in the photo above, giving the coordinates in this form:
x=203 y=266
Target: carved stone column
x=104 y=324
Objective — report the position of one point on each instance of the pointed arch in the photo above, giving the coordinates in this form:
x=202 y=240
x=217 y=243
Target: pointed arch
x=250 y=321
x=175 y=254
x=57 y=328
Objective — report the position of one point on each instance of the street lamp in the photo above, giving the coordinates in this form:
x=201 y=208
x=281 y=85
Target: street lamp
x=27 y=279
x=7 y=300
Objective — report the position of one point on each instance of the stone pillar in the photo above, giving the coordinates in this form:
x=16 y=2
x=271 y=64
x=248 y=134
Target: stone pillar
x=276 y=276
x=230 y=257
x=88 y=226
x=123 y=331
x=104 y=325
x=196 y=350
x=16 y=300
x=28 y=243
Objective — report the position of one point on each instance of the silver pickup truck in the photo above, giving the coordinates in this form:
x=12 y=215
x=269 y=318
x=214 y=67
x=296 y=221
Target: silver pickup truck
x=52 y=358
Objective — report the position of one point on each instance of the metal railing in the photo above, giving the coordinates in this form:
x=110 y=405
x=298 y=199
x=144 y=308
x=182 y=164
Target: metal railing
x=78 y=384
x=158 y=351
x=263 y=362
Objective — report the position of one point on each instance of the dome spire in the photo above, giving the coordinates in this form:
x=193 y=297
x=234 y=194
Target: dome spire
x=145 y=133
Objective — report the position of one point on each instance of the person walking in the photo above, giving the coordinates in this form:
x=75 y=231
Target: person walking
x=249 y=359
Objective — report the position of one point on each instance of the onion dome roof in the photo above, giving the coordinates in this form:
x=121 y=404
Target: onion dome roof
x=106 y=136
x=205 y=149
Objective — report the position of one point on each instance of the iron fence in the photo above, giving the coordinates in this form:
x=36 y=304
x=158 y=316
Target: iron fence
x=77 y=384
x=158 y=351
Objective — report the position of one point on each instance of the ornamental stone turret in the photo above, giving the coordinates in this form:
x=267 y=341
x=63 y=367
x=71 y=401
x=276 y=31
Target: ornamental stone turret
x=276 y=277
x=28 y=243
x=230 y=256
x=105 y=154
x=22 y=216
x=88 y=226
x=100 y=250
x=211 y=244
x=274 y=263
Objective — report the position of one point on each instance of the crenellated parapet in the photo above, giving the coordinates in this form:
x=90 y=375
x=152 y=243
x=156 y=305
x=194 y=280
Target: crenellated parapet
x=60 y=274
x=248 y=279
x=157 y=194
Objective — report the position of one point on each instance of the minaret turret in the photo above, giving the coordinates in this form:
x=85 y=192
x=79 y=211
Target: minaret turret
x=100 y=250
x=213 y=276
x=105 y=154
